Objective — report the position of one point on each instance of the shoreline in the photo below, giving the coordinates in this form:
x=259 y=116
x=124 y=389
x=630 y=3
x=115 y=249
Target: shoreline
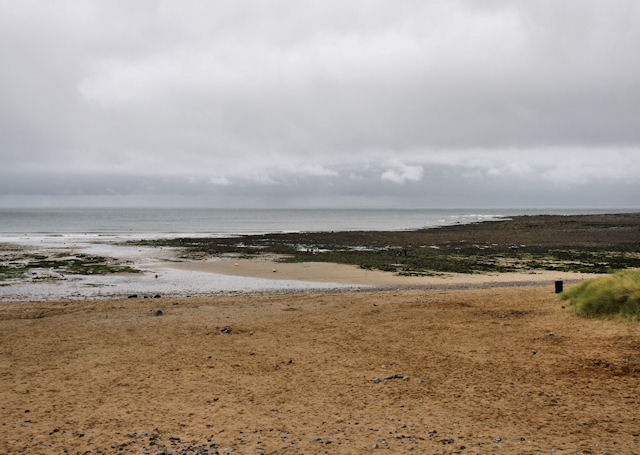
x=526 y=249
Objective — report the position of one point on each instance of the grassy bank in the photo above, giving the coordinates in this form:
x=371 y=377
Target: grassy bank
x=608 y=296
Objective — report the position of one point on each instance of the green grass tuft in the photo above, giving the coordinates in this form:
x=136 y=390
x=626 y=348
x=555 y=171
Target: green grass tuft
x=607 y=296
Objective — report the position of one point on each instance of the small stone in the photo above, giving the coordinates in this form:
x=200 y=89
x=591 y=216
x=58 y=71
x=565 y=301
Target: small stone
x=158 y=313
x=133 y=296
x=157 y=296
x=551 y=334
x=374 y=446
x=498 y=439
x=375 y=380
x=132 y=434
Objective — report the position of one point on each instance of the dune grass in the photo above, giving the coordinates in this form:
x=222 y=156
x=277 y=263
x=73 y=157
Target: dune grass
x=616 y=295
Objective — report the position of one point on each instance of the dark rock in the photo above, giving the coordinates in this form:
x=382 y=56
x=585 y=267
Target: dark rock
x=157 y=296
x=158 y=313
x=395 y=376
x=375 y=380
x=133 y=296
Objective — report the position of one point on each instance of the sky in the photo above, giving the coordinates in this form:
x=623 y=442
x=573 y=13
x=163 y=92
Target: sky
x=373 y=104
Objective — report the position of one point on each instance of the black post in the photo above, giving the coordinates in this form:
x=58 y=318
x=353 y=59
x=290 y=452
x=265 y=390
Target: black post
x=558 y=287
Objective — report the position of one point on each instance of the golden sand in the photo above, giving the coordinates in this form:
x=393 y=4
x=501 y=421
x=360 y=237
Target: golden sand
x=503 y=370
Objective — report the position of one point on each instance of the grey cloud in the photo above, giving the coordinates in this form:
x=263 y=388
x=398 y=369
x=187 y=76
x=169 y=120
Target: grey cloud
x=283 y=100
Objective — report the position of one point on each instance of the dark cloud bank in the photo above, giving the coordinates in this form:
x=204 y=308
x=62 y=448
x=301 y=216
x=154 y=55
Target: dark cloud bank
x=295 y=104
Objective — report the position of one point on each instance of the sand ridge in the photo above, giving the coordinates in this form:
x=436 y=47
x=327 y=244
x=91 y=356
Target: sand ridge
x=470 y=371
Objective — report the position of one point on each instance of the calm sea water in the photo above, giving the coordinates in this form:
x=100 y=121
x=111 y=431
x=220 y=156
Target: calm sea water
x=141 y=222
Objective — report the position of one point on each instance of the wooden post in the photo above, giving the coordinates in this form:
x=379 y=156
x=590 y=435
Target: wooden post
x=558 y=287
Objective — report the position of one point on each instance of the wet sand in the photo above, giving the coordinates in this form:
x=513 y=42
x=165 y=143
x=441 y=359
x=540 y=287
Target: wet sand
x=502 y=370
x=263 y=266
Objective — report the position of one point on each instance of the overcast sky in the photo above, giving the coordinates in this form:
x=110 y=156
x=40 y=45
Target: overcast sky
x=320 y=104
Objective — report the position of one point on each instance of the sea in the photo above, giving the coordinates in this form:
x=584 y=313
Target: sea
x=154 y=222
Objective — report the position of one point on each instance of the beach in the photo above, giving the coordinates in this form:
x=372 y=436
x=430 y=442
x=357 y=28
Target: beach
x=498 y=370
x=325 y=342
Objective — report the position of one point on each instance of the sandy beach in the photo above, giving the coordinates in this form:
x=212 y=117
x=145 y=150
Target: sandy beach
x=501 y=370
x=324 y=272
